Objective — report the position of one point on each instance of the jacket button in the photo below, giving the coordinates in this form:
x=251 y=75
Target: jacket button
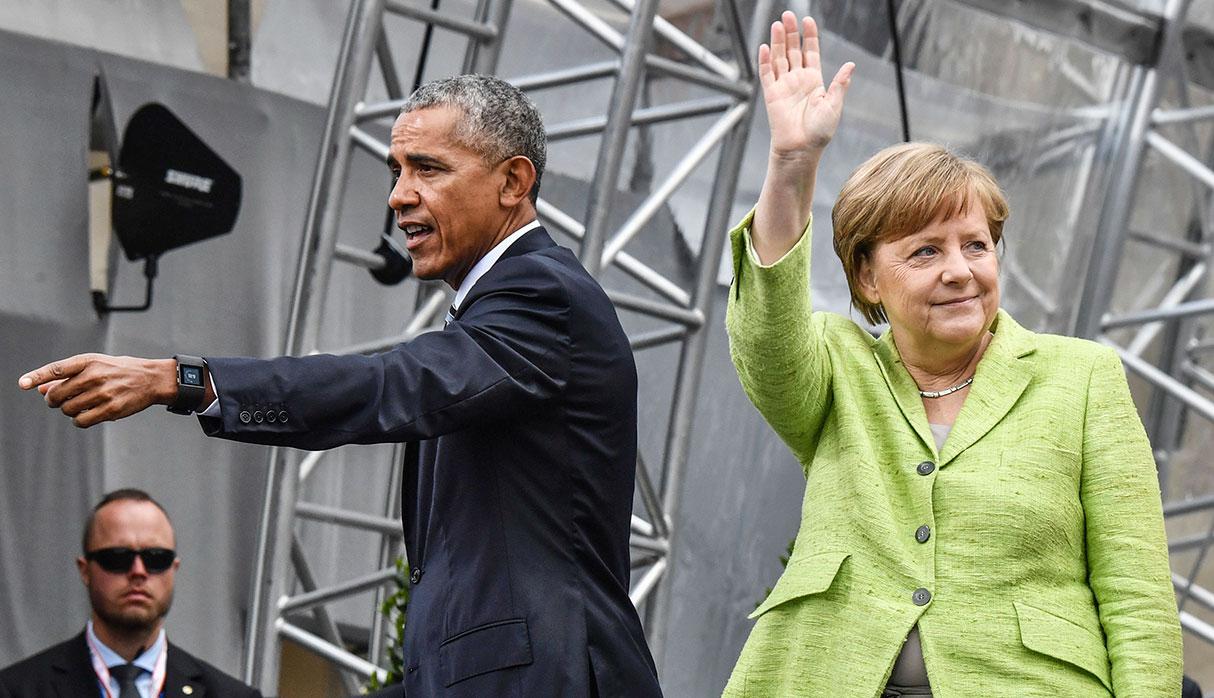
x=921 y=596
x=282 y=416
x=926 y=467
x=245 y=416
x=415 y=576
x=258 y=417
x=923 y=533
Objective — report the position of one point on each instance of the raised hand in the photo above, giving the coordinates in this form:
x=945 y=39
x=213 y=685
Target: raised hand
x=803 y=114
x=801 y=111
x=94 y=388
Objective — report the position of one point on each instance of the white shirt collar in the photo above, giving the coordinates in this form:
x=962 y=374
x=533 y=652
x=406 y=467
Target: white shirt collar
x=485 y=263
x=145 y=661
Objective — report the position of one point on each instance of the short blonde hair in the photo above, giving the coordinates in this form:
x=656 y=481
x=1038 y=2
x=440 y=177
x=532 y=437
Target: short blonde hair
x=899 y=191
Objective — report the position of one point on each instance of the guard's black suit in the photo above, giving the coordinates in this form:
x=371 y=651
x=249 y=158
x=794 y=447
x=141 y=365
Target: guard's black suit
x=65 y=671
x=518 y=486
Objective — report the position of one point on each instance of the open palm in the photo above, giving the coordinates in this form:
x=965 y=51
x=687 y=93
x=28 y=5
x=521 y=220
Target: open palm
x=801 y=111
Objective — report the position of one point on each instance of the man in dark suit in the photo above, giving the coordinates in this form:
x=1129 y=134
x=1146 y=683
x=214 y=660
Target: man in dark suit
x=128 y=566
x=520 y=415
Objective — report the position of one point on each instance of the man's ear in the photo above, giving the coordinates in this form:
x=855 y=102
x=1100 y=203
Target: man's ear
x=520 y=177
x=82 y=566
x=867 y=278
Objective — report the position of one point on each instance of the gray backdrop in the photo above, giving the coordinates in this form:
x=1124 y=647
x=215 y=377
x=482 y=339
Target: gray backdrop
x=222 y=297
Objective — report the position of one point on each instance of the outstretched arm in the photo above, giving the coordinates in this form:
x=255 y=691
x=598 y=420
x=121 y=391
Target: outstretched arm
x=802 y=113
x=95 y=388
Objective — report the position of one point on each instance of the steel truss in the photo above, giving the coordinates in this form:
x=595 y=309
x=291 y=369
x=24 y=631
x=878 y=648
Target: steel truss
x=283 y=564
x=1166 y=349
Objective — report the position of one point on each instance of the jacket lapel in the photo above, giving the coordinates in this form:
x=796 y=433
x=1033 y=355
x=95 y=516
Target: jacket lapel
x=73 y=671
x=183 y=676
x=903 y=388
x=532 y=240
x=1003 y=374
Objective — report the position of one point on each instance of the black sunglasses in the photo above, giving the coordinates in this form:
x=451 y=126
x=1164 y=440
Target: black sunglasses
x=120 y=560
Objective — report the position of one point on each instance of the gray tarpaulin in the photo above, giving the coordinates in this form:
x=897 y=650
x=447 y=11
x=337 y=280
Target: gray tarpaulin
x=220 y=296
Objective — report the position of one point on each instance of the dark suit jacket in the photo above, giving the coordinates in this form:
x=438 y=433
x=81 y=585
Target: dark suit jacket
x=65 y=671
x=519 y=481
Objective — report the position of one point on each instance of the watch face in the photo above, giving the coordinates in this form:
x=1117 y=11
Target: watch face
x=191 y=375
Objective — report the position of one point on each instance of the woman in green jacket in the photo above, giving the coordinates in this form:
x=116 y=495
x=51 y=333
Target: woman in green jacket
x=982 y=515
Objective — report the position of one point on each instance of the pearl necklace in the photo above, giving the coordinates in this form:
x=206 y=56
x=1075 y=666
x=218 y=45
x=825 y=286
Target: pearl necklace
x=946 y=391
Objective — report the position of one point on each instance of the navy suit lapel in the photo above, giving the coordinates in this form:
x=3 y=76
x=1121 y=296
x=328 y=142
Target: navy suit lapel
x=531 y=241
x=73 y=671
x=182 y=673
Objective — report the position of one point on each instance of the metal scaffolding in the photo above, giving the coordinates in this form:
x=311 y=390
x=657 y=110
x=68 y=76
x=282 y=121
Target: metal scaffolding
x=1169 y=350
x=1166 y=349
x=283 y=564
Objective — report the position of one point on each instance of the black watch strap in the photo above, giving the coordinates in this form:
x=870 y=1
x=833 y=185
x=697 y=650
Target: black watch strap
x=191 y=386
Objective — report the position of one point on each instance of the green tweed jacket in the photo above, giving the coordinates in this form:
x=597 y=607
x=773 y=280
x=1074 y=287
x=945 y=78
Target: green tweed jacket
x=1044 y=571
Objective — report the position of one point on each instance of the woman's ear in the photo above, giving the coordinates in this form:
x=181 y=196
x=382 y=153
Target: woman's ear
x=520 y=177
x=867 y=278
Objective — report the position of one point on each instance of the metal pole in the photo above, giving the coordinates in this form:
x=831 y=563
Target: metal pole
x=1200 y=404
x=566 y=76
x=691 y=361
x=1097 y=169
x=681 y=171
x=626 y=262
x=1115 y=219
x=1178 y=116
x=1166 y=418
x=389 y=550
x=328 y=627
x=649 y=115
x=482 y=56
x=240 y=40
x=1204 y=306
x=320 y=238
x=328 y=650
x=350 y=587
x=615 y=136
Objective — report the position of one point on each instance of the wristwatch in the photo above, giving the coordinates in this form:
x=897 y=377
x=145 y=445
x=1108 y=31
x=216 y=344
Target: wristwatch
x=191 y=390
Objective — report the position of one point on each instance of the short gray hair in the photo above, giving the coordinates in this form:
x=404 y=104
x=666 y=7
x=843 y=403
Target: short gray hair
x=499 y=121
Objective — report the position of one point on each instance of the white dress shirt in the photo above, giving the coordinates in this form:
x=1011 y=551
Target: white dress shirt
x=145 y=661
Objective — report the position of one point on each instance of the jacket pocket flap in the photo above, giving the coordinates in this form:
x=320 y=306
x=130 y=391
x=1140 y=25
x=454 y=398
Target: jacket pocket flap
x=802 y=577
x=1057 y=637
x=485 y=648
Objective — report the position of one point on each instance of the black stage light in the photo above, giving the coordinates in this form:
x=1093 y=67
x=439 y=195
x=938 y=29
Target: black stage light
x=169 y=189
